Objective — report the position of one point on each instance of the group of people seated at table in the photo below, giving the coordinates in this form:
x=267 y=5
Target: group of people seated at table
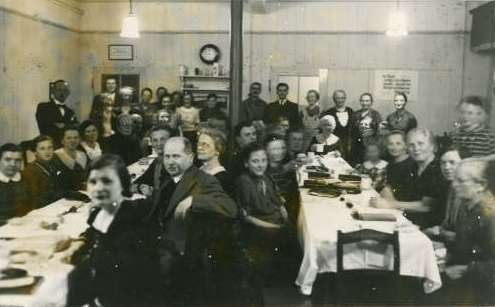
x=207 y=204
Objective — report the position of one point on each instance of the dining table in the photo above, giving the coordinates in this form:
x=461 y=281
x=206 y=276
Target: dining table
x=42 y=243
x=321 y=217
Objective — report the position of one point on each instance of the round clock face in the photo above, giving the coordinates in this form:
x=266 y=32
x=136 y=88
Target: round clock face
x=209 y=54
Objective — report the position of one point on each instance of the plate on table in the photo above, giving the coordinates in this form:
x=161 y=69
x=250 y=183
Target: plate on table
x=17 y=282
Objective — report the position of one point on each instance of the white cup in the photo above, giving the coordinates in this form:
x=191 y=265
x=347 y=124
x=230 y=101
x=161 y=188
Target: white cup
x=319 y=147
x=366 y=183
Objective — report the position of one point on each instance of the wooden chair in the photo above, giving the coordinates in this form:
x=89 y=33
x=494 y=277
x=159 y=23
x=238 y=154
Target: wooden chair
x=367 y=285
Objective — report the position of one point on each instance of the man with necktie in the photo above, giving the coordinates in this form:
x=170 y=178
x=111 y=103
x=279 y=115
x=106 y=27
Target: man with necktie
x=282 y=108
x=53 y=116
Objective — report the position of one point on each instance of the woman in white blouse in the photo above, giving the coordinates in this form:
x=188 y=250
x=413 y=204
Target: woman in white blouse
x=89 y=143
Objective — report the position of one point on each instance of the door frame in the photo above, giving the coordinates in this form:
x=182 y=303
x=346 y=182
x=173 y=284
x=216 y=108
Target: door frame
x=117 y=70
x=301 y=71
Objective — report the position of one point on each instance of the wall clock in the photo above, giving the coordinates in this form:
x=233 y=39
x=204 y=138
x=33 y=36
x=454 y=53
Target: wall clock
x=209 y=54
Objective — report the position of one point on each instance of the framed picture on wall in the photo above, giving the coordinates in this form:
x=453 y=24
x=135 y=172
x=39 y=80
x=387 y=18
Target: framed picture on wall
x=121 y=52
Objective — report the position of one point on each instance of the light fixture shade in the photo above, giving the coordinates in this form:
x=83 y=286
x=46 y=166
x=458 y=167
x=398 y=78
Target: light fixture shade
x=397 y=25
x=130 y=28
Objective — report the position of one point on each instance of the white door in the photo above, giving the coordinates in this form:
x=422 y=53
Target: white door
x=299 y=86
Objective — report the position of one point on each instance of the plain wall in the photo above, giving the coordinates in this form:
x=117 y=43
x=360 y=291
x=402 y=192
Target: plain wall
x=345 y=37
x=44 y=40
x=39 y=43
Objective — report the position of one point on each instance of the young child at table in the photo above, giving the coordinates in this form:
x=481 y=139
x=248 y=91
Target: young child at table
x=373 y=166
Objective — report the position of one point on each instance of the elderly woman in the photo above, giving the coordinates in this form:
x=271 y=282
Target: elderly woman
x=89 y=143
x=365 y=123
x=125 y=142
x=310 y=116
x=211 y=145
x=428 y=186
x=401 y=119
x=326 y=141
x=471 y=256
x=70 y=161
x=117 y=265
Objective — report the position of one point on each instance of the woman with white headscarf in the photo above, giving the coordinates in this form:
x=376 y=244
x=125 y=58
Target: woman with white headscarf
x=325 y=141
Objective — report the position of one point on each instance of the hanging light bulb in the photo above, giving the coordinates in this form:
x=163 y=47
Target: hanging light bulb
x=397 y=25
x=130 y=28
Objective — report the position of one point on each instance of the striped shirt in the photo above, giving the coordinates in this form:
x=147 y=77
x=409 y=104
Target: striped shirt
x=479 y=141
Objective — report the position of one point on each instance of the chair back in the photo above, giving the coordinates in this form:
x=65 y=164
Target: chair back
x=366 y=235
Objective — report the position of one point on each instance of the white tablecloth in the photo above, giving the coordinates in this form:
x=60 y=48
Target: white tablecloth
x=321 y=217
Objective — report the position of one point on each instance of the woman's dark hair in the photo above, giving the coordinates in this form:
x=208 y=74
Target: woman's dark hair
x=314 y=92
x=240 y=126
x=40 y=138
x=115 y=162
x=212 y=95
x=158 y=89
x=462 y=151
x=70 y=128
x=85 y=124
x=401 y=94
x=368 y=94
x=9 y=147
x=147 y=89
x=176 y=97
x=190 y=94
x=249 y=149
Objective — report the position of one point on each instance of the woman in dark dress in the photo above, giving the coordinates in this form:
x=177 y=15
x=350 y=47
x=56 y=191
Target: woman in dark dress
x=428 y=187
x=283 y=172
x=401 y=119
x=211 y=145
x=125 y=142
x=399 y=175
x=266 y=221
x=70 y=161
x=117 y=265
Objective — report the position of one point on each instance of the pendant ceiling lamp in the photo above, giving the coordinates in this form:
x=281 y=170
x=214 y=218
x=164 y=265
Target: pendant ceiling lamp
x=397 y=26
x=130 y=28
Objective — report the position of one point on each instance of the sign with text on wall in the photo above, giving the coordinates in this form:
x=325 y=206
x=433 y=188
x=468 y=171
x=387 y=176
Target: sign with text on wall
x=388 y=82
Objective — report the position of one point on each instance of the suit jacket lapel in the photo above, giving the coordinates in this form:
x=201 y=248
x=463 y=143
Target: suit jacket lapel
x=184 y=186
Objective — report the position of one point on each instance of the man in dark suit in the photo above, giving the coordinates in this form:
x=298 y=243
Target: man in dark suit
x=110 y=90
x=187 y=192
x=282 y=108
x=53 y=116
